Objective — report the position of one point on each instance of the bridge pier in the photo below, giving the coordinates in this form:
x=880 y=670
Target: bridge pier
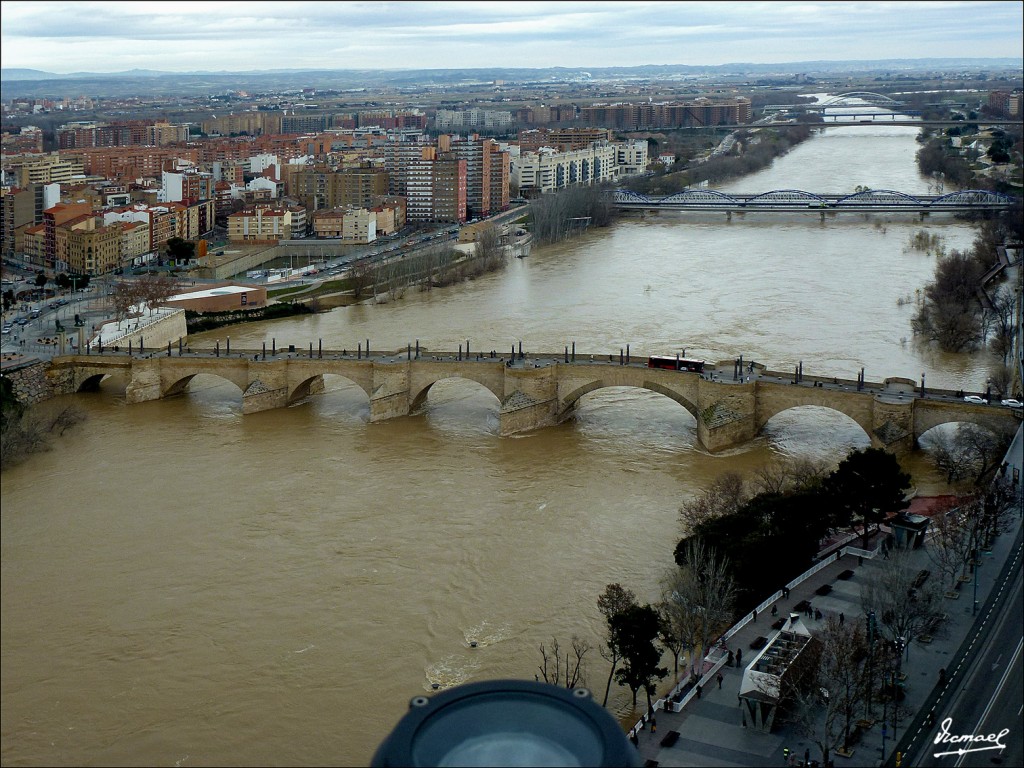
x=728 y=419
x=531 y=399
x=144 y=382
x=391 y=396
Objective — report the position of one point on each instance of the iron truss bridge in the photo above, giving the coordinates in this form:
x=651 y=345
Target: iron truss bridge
x=795 y=200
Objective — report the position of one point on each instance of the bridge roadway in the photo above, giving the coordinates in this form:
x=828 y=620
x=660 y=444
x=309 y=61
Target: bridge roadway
x=916 y=123
x=538 y=390
x=800 y=201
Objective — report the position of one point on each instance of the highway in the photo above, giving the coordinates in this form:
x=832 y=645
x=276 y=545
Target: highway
x=984 y=699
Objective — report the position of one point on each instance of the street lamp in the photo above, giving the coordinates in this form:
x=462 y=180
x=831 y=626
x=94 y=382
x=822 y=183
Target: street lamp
x=977 y=566
x=871 y=660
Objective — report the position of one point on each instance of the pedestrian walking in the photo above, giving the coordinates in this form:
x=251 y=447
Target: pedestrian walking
x=732 y=658
x=753 y=615
x=719 y=679
x=654 y=725
x=842 y=618
x=739 y=656
x=775 y=611
x=807 y=756
x=699 y=690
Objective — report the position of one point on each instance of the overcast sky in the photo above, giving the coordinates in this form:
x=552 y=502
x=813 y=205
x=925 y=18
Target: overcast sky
x=68 y=37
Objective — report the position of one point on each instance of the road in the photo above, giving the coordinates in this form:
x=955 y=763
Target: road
x=986 y=699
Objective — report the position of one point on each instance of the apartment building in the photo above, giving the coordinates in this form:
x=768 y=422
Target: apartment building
x=351 y=225
x=44 y=169
x=92 y=250
x=132 y=163
x=668 y=115
x=544 y=115
x=631 y=157
x=55 y=219
x=436 y=190
x=319 y=187
x=134 y=240
x=399 y=157
x=260 y=225
x=472 y=118
x=1005 y=103
x=561 y=139
x=18 y=211
x=547 y=170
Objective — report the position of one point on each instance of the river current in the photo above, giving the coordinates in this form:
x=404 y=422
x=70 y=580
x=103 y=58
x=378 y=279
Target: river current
x=182 y=585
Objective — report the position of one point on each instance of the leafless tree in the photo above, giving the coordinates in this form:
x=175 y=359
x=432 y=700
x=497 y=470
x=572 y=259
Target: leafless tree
x=902 y=604
x=711 y=591
x=789 y=475
x=824 y=698
x=998 y=322
x=952 y=538
x=124 y=296
x=680 y=621
x=567 y=670
x=615 y=600
x=725 y=496
x=969 y=452
x=361 y=277
x=155 y=289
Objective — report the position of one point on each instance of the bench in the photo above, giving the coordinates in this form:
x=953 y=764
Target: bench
x=778 y=624
x=670 y=738
x=922 y=577
x=845 y=575
x=802 y=606
x=759 y=642
x=824 y=589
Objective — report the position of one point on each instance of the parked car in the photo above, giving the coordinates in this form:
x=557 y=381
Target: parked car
x=1013 y=403
x=975 y=399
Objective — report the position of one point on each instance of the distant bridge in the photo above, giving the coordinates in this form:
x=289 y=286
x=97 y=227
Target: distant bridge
x=799 y=201
x=731 y=401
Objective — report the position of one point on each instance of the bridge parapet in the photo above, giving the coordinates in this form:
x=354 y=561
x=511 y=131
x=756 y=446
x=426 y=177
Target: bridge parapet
x=541 y=390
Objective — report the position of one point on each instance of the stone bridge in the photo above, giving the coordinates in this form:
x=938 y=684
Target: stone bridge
x=542 y=390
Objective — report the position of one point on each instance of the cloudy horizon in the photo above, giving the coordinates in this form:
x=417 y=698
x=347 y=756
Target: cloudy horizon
x=65 y=38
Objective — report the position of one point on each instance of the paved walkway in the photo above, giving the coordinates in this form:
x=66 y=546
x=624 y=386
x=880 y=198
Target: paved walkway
x=710 y=728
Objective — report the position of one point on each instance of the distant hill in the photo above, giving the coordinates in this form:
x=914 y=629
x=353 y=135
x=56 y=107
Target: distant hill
x=40 y=84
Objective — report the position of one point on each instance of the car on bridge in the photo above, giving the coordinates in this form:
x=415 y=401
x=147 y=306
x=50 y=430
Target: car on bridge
x=975 y=399
x=1013 y=403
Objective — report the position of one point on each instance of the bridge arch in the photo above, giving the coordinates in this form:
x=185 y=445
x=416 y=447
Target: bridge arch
x=879 y=196
x=567 y=403
x=787 y=196
x=857 y=409
x=999 y=421
x=418 y=392
x=628 y=196
x=178 y=385
x=831 y=432
x=972 y=196
x=845 y=99
x=313 y=383
x=700 y=195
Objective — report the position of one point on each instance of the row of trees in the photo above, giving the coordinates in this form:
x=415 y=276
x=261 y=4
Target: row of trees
x=24 y=431
x=147 y=291
x=436 y=267
x=775 y=527
x=555 y=217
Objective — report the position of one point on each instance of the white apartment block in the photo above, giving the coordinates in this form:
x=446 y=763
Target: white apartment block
x=548 y=170
x=631 y=157
x=472 y=118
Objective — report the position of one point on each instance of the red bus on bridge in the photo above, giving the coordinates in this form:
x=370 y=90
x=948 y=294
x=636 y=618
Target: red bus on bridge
x=675 y=363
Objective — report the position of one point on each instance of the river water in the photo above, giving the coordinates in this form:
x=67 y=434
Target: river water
x=183 y=585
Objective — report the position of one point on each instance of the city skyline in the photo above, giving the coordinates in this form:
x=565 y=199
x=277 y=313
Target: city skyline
x=65 y=38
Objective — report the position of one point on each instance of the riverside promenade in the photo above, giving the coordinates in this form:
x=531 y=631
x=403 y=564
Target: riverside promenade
x=710 y=727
